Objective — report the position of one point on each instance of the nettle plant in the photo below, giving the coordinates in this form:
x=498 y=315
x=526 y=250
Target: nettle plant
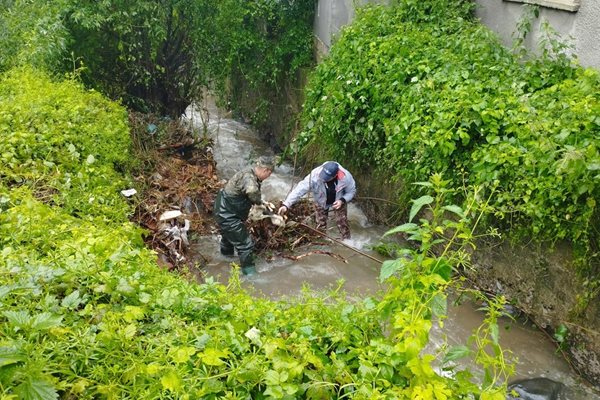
x=417 y=97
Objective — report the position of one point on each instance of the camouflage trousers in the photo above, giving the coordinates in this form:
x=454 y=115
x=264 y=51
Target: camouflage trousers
x=341 y=219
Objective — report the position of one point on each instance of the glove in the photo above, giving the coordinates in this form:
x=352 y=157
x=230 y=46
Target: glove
x=268 y=205
x=282 y=210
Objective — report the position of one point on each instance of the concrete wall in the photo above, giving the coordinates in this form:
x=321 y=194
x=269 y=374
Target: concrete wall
x=331 y=16
x=580 y=28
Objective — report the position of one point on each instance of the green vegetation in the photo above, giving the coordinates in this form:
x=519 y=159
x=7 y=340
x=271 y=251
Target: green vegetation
x=86 y=313
x=422 y=88
x=63 y=145
x=264 y=44
x=154 y=55
x=31 y=33
x=160 y=56
x=419 y=89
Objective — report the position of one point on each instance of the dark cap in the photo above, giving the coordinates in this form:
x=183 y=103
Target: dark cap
x=329 y=171
x=266 y=162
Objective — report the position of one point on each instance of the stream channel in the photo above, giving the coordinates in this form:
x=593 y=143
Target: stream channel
x=236 y=145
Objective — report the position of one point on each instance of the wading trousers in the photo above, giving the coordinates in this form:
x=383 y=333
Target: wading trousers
x=235 y=236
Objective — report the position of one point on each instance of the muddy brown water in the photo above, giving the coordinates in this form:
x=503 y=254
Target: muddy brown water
x=236 y=145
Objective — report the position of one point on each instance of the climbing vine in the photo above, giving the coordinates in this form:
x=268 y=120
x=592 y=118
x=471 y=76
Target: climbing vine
x=439 y=93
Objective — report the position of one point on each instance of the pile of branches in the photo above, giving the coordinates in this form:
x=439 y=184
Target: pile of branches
x=284 y=240
x=179 y=184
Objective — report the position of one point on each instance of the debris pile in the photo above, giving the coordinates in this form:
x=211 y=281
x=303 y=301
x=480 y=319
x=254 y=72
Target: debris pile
x=172 y=232
x=179 y=184
x=282 y=235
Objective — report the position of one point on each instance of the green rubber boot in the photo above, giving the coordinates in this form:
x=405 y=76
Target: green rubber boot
x=249 y=270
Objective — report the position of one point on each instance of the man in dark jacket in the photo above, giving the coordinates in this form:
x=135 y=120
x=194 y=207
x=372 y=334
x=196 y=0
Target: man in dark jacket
x=232 y=206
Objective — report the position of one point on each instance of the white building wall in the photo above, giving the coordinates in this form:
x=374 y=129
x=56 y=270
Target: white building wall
x=581 y=29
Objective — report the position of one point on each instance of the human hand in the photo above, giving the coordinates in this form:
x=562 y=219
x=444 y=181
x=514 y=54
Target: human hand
x=282 y=210
x=337 y=204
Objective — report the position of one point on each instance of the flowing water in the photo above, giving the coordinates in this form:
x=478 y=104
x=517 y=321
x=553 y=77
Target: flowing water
x=236 y=145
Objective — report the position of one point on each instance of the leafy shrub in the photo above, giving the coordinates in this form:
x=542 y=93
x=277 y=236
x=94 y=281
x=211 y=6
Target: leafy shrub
x=64 y=143
x=32 y=33
x=415 y=97
x=155 y=56
x=443 y=12
x=547 y=160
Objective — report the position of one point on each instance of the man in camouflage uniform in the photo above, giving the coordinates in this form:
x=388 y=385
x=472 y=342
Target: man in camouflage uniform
x=332 y=187
x=232 y=206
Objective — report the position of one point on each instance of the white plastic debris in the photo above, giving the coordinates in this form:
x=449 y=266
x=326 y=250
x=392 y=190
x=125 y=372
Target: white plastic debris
x=260 y=212
x=277 y=220
x=167 y=215
x=128 y=192
x=173 y=235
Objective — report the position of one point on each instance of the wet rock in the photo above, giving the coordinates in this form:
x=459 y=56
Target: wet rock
x=535 y=389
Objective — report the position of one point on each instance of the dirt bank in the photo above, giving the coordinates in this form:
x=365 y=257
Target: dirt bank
x=541 y=281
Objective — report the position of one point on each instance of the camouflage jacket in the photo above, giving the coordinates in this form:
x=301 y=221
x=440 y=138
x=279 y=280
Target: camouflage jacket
x=238 y=195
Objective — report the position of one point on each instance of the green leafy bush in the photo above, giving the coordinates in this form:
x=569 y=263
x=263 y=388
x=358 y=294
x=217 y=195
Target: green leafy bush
x=435 y=11
x=420 y=91
x=547 y=160
x=155 y=56
x=32 y=33
x=64 y=143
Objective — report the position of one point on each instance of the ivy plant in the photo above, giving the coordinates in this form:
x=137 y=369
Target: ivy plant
x=422 y=88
